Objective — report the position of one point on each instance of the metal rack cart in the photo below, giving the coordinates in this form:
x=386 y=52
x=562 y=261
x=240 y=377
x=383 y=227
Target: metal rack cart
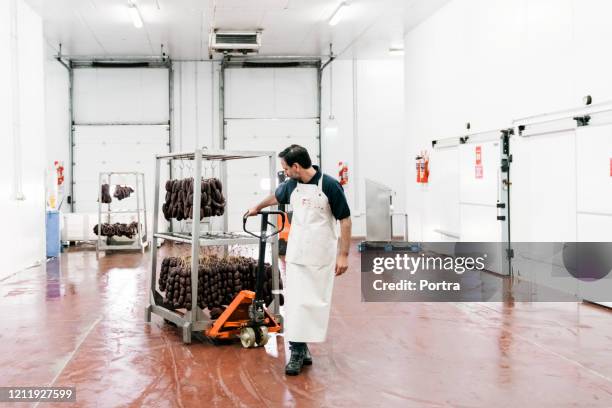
x=140 y=242
x=196 y=320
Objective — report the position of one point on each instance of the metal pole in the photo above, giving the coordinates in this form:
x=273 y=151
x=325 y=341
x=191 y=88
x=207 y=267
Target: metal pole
x=144 y=208
x=222 y=106
x=139 y=228
x=71 y=135
x=171 y=122
x=319 y=81
x=391 y=217
x=222 y=138
x=195 y=245
x=99 y=215
x=274 y=245
x=108 y=214
x=154 y=243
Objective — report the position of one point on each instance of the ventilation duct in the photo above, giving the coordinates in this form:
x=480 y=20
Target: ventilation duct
x=234 y=42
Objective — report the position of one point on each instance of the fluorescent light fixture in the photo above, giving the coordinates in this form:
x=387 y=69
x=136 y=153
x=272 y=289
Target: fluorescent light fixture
x=135 y=14
x=338 y=14
x=396 y=51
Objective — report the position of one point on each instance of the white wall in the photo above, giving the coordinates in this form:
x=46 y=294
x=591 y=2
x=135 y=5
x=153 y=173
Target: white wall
x=490 y=61
x=368 y=106
x=196 y=105
x=23 y=242
x=57 y=117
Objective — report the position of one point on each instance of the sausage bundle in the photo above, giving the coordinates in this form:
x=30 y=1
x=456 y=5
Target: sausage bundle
x=105 y=194
x=219 y=281
x=179 y=199
x=117 y=229
x=122 y=192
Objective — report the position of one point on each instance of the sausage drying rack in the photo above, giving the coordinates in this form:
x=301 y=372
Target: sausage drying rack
x=140 y=241
x=196 y=320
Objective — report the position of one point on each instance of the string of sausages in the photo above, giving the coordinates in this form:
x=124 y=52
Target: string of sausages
x=219 y=281
x=179 y=199
x=121 y=192
x=117 y=229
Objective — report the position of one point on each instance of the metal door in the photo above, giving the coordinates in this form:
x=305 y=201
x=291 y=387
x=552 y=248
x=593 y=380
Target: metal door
x=484 y=188
x=265 y=109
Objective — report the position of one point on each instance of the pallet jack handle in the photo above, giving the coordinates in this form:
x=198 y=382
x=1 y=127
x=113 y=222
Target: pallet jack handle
x=265 y=223
x=263 y=237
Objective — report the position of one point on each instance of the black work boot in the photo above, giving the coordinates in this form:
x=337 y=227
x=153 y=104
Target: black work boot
x=296 y=361
x=307 y=356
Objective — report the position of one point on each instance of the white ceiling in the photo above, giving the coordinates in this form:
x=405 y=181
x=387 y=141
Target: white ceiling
x=291 y=27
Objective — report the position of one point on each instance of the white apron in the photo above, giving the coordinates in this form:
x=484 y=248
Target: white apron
x=311 y=261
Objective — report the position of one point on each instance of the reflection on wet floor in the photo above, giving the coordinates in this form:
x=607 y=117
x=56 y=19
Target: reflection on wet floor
x=78 y=322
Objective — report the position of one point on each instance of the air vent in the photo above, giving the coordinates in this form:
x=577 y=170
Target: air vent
x=235 y=42
x=236 y=39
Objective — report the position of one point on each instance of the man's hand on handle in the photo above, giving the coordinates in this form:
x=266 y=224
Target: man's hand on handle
x=252 y=212
x=341 y=264
x=268 y=201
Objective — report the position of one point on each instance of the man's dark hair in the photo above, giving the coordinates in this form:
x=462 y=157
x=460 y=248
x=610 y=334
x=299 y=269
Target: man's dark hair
x=296 y=154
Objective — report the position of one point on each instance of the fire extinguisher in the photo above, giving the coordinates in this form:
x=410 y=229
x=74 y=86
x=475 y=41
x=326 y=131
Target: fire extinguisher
x=343 y=173
x=425 y=175
x=59 y=167
x=422 y=168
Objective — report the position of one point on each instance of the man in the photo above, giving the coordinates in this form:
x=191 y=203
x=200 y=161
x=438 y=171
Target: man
x=313 y=254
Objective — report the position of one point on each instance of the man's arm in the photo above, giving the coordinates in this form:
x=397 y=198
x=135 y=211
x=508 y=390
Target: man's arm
x=345 y=244
x=268 y=201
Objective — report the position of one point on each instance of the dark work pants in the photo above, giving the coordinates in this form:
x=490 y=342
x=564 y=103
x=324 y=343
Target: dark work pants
x=298 y=346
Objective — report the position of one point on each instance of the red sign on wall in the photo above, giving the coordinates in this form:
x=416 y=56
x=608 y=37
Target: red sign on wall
x=610 y=167
x=479 y=172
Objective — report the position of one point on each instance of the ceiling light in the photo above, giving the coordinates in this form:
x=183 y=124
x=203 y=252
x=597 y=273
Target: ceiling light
x=396 y=51
x=338 y=14
x=135 y=14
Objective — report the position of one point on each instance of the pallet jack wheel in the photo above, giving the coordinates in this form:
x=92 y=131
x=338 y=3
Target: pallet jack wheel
x=263 y=333
x=247 y=337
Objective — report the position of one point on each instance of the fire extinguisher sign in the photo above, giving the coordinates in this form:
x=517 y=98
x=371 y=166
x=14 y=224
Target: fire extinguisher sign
x=611 y=167
x=478 y=167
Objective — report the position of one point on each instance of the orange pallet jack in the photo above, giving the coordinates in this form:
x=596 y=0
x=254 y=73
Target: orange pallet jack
x=246 y=317
x=283 y=237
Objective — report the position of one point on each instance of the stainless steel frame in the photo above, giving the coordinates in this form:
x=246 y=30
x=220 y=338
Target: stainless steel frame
x=196 y=319
x=380 y=213
x=141 y=241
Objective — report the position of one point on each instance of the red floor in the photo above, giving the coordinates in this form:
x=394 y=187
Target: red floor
x=84 y=327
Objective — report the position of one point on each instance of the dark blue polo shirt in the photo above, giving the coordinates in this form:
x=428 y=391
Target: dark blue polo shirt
x=331 y=188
